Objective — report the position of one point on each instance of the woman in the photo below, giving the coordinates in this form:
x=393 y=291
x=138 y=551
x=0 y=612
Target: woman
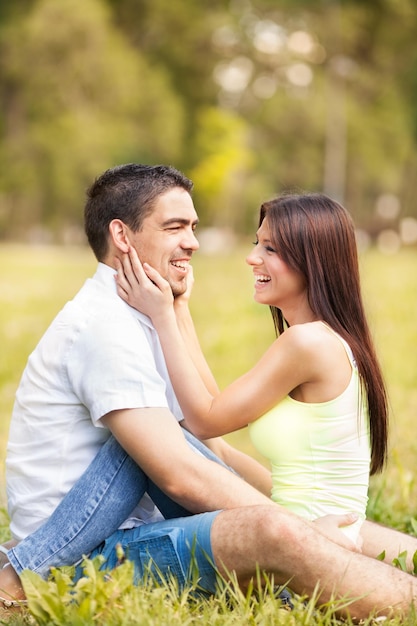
x=315 y=402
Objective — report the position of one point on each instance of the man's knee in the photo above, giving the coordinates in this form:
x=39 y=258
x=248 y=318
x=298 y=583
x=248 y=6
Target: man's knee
x=249 y=538
x=276 y=525
x=267 y=525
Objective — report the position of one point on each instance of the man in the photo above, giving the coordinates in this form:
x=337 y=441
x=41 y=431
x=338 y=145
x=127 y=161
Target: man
x=99 y=371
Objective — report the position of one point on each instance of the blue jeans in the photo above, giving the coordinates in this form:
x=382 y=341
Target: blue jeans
x=99 y=502
x=179 y=548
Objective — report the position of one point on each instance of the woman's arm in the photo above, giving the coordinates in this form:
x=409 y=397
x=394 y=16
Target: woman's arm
x=247 y=467
x=282 y=368
x=187 y=329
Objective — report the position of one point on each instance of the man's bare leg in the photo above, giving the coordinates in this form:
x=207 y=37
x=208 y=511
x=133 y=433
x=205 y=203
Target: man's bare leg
x=378 y=539
x=296 y=553
x=293 y=550
x=10 y=585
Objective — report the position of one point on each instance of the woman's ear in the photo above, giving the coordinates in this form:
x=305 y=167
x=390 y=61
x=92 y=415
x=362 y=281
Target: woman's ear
x=119 y=235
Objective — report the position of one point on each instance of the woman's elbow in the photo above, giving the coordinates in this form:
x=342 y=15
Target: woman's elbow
x=201 y=431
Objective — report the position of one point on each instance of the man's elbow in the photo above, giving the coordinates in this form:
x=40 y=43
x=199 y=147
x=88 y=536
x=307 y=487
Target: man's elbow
x=185 y=490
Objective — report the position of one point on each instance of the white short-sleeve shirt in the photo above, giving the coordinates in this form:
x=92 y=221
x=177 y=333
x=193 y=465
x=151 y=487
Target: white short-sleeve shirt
x=98 y=355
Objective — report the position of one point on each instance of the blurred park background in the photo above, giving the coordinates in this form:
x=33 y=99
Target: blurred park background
x=248 y=98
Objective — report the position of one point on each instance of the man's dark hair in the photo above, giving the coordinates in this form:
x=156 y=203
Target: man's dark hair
x=126 y=192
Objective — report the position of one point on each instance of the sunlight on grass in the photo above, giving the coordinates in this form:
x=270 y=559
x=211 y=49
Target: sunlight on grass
x=234 y=332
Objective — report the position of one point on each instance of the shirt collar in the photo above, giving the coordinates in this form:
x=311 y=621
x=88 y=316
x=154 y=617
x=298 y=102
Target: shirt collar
x=105 y=275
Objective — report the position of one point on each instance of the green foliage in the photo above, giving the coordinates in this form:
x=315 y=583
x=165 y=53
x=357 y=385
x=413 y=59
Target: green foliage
x=138 y=80
x=176 y=34
x=93 y=597
x=224 y=160
x=82 y=110
x=401 y=561
x=111 y=598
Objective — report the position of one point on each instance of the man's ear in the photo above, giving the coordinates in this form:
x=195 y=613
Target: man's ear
x=119 y=235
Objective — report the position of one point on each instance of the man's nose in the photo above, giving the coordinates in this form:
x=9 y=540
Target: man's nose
x=190 y=242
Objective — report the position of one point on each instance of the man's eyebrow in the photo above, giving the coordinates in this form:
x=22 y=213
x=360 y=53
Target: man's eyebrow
x=179 y=220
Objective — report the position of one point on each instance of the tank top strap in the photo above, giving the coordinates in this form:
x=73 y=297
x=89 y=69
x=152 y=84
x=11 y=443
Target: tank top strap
x=345 y=344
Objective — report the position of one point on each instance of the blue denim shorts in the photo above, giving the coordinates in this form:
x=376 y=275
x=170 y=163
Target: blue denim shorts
x=177 y=548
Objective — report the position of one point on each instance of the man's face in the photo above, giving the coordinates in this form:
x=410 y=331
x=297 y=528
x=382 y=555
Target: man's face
x=167 y=240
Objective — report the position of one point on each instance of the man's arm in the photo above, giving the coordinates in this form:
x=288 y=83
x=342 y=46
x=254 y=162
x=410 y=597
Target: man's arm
x=153 y=438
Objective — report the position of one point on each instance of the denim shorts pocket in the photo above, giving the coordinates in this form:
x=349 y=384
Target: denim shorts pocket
x=156 y=557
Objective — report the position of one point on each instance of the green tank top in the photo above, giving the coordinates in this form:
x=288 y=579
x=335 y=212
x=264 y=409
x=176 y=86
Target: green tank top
x=319 y=452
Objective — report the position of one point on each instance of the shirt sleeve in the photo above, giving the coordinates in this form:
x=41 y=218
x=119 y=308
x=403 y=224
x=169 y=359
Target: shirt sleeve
x=111 y=367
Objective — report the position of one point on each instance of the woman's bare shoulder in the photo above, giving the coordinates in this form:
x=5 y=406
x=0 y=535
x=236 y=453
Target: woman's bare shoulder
x=312 y=338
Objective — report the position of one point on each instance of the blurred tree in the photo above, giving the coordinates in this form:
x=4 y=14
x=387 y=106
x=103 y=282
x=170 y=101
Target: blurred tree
x=325 y=87
x=76 y=99
x=223 y=163
x=248 y=97
x=12 y=10
x=380 y=39
x=177 y=34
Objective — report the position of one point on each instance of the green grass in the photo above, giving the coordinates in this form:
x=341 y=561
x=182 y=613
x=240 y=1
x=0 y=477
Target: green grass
x=234 y=331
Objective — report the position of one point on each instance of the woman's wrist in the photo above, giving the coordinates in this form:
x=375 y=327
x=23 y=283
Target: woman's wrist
x=181 y=309
x=164 y=318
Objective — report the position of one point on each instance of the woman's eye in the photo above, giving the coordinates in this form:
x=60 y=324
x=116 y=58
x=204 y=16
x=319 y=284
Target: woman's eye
x=269 y=249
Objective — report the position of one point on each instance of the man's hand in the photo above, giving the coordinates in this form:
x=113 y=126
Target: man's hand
x=330 y=526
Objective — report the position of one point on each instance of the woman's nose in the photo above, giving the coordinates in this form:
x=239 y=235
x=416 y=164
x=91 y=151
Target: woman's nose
x=253 y=258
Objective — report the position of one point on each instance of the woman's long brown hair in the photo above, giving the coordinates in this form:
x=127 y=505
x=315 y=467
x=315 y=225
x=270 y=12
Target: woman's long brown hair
x=315 y=236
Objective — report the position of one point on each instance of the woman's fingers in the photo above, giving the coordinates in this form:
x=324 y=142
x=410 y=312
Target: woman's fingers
x=122 y=283
x=140 y=285
x=133 y=266
x=155 y=277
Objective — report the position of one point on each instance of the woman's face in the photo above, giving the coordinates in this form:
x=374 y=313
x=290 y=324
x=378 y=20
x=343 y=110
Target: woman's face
x=276 y=284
